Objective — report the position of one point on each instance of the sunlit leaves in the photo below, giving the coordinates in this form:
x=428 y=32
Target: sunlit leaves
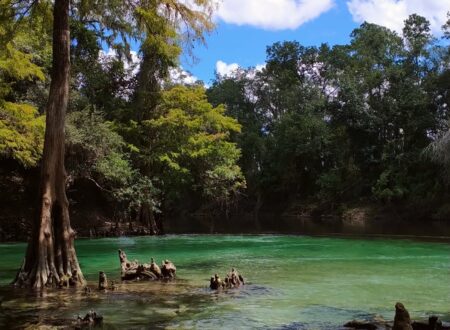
x=192 y=144
x=21 y=133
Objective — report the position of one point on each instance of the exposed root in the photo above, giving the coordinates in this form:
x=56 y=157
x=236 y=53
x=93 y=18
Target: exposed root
x=134 y=271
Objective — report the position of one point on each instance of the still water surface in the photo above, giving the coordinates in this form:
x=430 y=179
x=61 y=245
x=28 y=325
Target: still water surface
x=295 y=282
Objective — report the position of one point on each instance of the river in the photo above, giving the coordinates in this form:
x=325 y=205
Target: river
x=294 y=282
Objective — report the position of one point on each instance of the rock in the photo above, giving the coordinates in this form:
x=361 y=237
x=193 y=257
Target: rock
x=402 y=320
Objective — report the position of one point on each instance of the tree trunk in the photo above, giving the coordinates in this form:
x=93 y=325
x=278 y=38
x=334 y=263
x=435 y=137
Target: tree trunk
x=51 y=258
x=258 y=206
x=147 y=218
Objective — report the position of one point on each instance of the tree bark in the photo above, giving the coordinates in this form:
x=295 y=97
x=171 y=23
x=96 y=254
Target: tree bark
x=51 y=258
x=147 y=218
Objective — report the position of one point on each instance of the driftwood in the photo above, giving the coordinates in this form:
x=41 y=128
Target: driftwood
x=134 y=271
x=232 y=280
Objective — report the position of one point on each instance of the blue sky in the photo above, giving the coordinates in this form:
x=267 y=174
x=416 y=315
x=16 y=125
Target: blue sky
x=246 y=27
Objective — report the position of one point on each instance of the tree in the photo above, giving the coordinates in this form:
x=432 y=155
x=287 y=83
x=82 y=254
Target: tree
x=235 y=93
x=51 y=257
x=21 y=66
x=166 y=26
x=191 y=149
x=94 y=151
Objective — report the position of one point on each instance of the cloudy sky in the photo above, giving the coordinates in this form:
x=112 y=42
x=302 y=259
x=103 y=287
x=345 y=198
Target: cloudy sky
x=246 y=27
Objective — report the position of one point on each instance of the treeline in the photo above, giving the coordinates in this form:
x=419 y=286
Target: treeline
x=326 y=127
x=318 y=127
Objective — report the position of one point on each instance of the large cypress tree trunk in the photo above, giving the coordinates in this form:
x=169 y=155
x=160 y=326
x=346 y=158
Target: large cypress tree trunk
x=51 y=258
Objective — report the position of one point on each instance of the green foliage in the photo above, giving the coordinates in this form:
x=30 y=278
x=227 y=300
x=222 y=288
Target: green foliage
x=24 y=53
x=344 y=123
x=139 y=192
x=385 y=190
x=323 y=124
x=191 y=145
x=21 y=133
x=95 y=151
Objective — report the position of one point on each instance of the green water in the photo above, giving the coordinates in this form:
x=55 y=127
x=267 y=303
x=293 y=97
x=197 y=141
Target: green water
x=295 y=282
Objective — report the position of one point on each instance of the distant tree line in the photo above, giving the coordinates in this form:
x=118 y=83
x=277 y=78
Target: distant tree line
x=365 y=122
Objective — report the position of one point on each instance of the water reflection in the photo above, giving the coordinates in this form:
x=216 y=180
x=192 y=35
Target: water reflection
x=304 y=225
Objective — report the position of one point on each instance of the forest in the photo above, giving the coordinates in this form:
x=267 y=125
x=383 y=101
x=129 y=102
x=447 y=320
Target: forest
x=318 y=131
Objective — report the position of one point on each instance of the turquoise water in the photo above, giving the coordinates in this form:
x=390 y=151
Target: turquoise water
x=295 y=282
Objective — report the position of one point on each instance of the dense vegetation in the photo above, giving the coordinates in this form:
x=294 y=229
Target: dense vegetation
x=318 y=128
x=327 y=128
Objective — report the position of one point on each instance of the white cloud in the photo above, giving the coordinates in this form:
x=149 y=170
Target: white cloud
x=176 y=75
x=272 y=14
x=226 y=70
x=392 y=13
x=181 y=76
x=260 y=67
x=133 y=64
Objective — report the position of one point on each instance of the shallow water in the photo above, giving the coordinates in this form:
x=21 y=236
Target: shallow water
x=295 y=282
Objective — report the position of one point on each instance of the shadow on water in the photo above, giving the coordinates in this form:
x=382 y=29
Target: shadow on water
x=304 y=225
x=144 y=305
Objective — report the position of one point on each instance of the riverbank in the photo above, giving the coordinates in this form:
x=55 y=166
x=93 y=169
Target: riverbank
x=327 y=225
